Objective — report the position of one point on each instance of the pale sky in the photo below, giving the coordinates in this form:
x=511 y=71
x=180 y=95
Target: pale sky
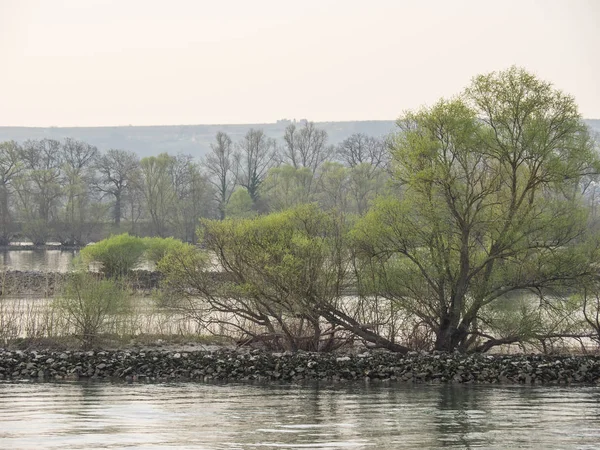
x=151 y=62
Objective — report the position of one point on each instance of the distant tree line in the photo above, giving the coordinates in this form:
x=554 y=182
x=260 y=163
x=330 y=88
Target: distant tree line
x=71 y=192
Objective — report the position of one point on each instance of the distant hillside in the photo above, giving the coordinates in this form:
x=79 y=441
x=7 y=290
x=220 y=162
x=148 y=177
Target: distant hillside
x=594 y=125
x=191 y=139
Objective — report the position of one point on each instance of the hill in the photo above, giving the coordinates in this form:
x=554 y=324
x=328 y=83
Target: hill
x=191 y=139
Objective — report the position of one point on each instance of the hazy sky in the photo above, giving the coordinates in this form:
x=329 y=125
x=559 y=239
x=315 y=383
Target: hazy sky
x=144 y=62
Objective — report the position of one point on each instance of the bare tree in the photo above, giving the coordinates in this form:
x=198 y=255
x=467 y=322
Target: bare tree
x=332 y=187
x=78 y=155
x=192 y=191
x=116 y=168
x=360 y=148
x=368 y=160
x=306 y=146
x=78 y=176
x=256 y=153
x=159 y=192
x=10 y=166
x=39 y=189
x=43 y=161
x=220 y=165
x=133 y=203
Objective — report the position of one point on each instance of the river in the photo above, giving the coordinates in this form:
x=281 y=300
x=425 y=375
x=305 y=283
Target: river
x=45 y=260
x=40 y=260
x=250 y=416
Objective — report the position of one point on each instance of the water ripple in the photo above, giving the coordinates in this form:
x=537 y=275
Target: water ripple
x=240 y=416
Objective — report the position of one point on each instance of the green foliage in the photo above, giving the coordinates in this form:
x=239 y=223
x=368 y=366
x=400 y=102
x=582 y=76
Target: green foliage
x=185 y=271
x=157 y=248
x=276 y=273
x=158 y=191
x=10 y=167
x=121 y=253
x=117 y=254
x=490 y=204
x=517 y=315
x=286 y=187
x=281 y=255
x=333 y=186
x=90 y=305
x=240 y=205
x=366 y=183
x=286 y=249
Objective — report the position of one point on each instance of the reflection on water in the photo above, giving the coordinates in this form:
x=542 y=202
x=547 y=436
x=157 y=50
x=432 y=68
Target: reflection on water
x=43 y=260
x=38 y=259
x=240 y=416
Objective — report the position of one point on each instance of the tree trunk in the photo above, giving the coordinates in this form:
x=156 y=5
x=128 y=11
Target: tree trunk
x=4 y=217
x=450 y=335
x=117 y=210
x=316 y=338
x=350 y=324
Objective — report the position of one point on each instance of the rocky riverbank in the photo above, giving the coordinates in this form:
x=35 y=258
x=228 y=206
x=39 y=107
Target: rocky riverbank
x=230 y=365
x=47 y=284
x=21 y=247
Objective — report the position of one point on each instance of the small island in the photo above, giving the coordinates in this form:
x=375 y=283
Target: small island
x=467 y=234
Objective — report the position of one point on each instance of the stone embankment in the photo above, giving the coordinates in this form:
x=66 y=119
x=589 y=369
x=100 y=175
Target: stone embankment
x=33 y=247
x=47 y=284
x=43 y=284
x=229 y=365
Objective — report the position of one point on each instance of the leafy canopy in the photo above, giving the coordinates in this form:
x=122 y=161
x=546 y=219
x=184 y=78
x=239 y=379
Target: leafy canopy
x=490 y=203
x=121 y=253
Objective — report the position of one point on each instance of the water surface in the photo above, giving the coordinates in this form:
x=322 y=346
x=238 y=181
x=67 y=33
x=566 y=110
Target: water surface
x=47 y=260
x=247 y=416
x=41 y=260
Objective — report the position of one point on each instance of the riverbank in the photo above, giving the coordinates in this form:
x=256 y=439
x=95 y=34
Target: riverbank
x=46 y=284
x=234 y=365
x=21 y=247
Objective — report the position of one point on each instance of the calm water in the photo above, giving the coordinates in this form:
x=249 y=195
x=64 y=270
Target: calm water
x=44 y=260
x=237 y=416
x=40 y=260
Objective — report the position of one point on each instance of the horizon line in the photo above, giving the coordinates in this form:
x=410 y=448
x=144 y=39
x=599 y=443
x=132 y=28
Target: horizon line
x=201 y=124
x=214 y=124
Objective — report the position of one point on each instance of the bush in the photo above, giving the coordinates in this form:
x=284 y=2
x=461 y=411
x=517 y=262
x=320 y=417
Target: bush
x=272 y=279
x=157 y=248
x=116 y=254
x=90 y=305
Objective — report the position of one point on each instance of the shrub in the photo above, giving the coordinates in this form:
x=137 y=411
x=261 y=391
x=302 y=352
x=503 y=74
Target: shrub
x=157 y=248
x=90 y=305
x=116 y=254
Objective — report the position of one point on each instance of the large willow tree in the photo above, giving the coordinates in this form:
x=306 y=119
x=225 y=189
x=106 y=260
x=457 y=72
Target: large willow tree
x=490 y=204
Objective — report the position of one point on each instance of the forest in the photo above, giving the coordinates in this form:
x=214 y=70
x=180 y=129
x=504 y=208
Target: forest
x=70 y=192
